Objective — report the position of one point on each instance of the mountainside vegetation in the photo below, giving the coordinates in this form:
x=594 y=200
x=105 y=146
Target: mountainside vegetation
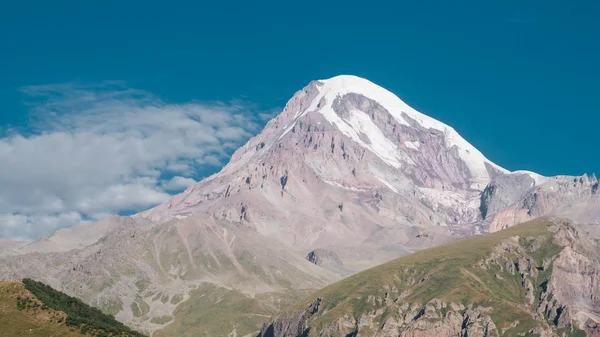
x=22 y=314
x=510 y=283
x=216 y=311
x=31 y=308
x=87 y=319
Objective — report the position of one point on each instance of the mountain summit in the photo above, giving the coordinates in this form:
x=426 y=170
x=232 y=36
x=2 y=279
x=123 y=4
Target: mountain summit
x=358 y=122
x=348 y=144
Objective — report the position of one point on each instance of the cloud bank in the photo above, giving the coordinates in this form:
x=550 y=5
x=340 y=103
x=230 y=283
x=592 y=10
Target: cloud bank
x=94 y=151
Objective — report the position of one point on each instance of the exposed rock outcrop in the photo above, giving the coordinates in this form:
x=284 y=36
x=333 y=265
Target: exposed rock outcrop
x=325 y=258
x=294 y=323
x=505 y=190
x=436 y=319
x=575 y=198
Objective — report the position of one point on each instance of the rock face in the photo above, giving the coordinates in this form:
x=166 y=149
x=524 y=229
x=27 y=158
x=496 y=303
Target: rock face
x=572 y=197
x=506 y=190
x=436 y=318
x=539 y=278
x=293 y=323
x=326 y=259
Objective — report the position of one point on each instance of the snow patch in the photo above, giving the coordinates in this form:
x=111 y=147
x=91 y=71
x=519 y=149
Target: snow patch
x=451 y=201
x=287 y=130
x=413 y=145
x=539 y=179
x=359 y=124
x=443 y=198
x=388 y=184
x=350 y=188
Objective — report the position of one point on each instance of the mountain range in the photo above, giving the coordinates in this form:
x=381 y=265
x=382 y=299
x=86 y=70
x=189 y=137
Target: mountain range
x=345 y=178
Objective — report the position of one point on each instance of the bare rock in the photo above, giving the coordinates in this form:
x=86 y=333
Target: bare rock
x=504 y=191
x=325 y=258
x=291 y=324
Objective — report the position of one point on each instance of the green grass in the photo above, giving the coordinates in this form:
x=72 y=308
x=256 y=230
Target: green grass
x=113 y=306
x=34 y=322
x=450 y=273
x=162 y=319
x=176 y=299
x=216 y=311
x=139 y=307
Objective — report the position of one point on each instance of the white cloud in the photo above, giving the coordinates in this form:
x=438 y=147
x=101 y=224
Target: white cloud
x=106 y=149
x=26 y=227
x=178 y=183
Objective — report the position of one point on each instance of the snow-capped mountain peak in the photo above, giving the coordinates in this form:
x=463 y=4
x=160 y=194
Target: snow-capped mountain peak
x=348 y=135
x=358 y=123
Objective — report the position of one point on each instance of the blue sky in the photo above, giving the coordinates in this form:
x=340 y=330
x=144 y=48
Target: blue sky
x=519 y=80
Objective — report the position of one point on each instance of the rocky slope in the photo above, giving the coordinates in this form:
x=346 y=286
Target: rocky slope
x=142 y=274
x=8 y=246
x=538 y=278
x=327 y=259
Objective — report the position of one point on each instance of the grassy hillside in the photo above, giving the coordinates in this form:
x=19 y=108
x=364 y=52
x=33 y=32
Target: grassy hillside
x=495 y=281
x=79 y=315
x=34 y=320
x=217 y=311
x=31 y=308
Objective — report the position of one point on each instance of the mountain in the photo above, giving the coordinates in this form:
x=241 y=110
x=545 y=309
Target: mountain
x=347 y=162
x=31 y=308
x=347 y=176
x=537 y=278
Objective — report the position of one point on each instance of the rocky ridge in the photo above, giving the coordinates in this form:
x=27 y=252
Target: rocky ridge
x=538 y=278
x=327 y=259
x=515 y=198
